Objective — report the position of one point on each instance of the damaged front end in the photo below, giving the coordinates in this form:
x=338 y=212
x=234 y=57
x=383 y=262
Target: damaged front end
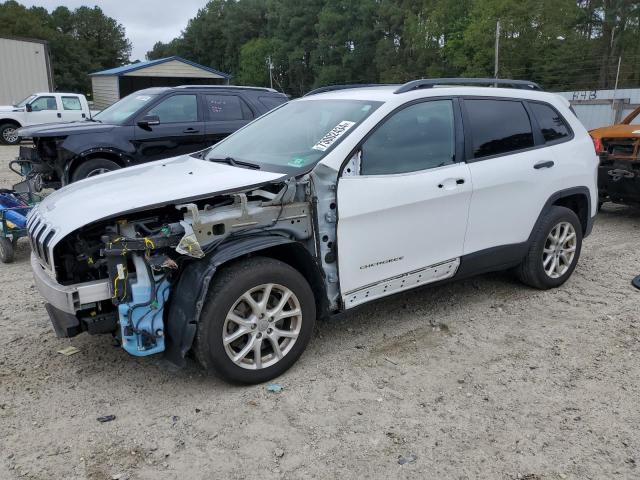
x=142 y=277
x=41 y=166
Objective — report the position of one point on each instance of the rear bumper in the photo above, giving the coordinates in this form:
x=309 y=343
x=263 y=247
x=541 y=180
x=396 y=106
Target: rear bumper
x=68 y=298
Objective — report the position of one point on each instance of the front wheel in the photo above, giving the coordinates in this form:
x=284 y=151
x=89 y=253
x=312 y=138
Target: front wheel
x=9 y=134
x=554 y=251
x=93 y=167
x=6 y=250
x=257 y=320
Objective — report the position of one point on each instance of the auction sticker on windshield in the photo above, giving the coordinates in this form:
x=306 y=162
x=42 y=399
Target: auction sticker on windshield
x=334 y=134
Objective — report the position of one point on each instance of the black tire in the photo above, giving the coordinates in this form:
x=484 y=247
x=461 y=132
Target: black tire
x=4 y=129
x=6 y=250
x=88 y=168
x=531 y=271
x=227 y=286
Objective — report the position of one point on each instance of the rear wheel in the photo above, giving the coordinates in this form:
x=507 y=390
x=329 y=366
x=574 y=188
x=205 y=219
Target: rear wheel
x=93 y=167
x=9 y=134
x=555 y=250
x=256 y=322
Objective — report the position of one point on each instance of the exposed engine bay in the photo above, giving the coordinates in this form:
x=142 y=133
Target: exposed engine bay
x=143 y=255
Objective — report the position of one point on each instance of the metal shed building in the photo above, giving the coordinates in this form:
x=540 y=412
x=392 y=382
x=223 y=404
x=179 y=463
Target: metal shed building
x=599 y=108
x=110 y=85
x=25 y=68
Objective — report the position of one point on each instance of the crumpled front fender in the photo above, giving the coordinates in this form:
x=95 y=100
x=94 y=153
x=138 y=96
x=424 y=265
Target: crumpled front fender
x=188 y=296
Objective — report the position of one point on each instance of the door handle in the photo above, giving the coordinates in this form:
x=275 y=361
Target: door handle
x=546 y=164
x=59 y=115
x=448 y=183
x=190 y=130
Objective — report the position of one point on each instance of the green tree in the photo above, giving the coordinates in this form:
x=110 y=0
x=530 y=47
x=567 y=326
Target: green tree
x=563 y=44
x=253 y=68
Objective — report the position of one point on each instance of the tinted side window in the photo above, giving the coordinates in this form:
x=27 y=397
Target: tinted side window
x=498 y=126
x=177 y=109
x=226 y=108
x=551 y=122
x=71 y=103
x=44 y=103
x=272 y=102
x=416 y=138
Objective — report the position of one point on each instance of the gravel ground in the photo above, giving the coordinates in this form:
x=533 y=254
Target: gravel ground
x=478 y=379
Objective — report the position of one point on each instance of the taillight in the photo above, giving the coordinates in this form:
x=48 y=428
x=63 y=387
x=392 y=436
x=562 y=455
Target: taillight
x=597 y=144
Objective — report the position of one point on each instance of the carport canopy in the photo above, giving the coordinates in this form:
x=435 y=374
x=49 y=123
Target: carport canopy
x=111 y=85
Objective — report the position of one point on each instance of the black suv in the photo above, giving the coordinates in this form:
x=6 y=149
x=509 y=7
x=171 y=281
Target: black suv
x=150 y=124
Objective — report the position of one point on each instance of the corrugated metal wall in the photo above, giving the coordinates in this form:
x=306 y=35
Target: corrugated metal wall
x=596 y=108
x=105 y=91
x=174 y=68
x=23 y=70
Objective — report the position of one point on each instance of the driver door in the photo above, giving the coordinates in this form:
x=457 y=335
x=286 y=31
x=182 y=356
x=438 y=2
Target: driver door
x=403 y=208
x=180 y=131
x=44 y=109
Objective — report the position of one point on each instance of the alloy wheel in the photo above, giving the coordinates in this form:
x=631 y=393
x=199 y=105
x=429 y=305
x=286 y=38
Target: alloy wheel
x=97 y=171
x=559 y=250
x=262 y=326
x=10 y=135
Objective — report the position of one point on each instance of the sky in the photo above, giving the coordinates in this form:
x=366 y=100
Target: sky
x=145 y=21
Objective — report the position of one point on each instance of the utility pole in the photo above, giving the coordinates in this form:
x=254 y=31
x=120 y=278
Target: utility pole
x=270 y=65
x=497 y=55
x=615 y=89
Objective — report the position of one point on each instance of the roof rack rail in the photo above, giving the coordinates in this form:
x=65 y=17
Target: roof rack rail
x=434 y=82
x=331 y=88
x=243 y=87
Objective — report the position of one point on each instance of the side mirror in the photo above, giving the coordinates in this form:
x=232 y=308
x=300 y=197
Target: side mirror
x=148 y=121
x=28 y=107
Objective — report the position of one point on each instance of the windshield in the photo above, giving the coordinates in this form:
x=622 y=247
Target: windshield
x=295 y=136
x=123 y=109
x=22 y=103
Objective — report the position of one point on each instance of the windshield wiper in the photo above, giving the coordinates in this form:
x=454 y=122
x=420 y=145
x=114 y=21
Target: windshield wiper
x=235 y=163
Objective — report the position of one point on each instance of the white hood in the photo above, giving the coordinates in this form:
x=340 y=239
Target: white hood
x=10 y=108
x=175 y=180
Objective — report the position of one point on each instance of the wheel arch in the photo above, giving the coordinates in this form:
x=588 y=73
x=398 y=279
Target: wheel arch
x=112 y=154
x=577 y=199
x=186 y=301
x=12 y=121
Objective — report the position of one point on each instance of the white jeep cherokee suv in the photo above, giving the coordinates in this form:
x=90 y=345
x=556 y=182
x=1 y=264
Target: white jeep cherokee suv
x=339 y=198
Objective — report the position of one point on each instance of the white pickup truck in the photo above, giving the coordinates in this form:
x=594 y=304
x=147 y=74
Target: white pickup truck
x=41 y=108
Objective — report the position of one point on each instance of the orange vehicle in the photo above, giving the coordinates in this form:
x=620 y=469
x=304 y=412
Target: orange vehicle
x=619 y=150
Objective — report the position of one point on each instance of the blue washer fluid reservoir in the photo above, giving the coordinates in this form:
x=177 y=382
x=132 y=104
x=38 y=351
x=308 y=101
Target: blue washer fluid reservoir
x=143 y=333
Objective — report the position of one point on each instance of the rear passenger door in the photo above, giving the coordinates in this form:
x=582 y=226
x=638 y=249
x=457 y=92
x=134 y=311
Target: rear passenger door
x=512 y=169
x=72 y=109
x=224 y=114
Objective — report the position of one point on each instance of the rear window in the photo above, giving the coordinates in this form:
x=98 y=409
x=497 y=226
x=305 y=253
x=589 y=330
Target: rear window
x=272 y=102
x=498 y=126
x=551 y=123
x=71 y=103
x=226 y=108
